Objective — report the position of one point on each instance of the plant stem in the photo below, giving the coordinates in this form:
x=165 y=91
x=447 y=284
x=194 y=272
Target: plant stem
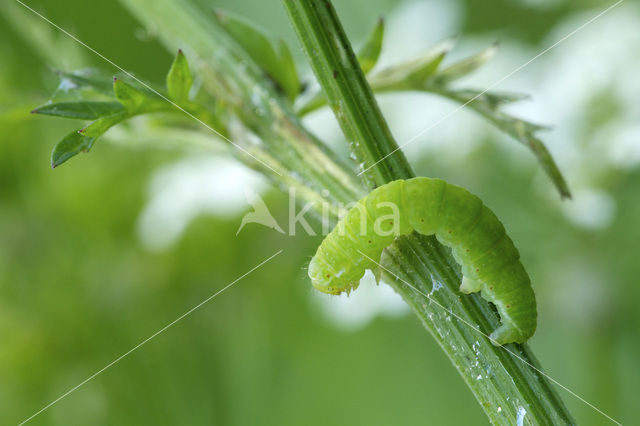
x=348 y=94
x=266 y=125
x=508 y=389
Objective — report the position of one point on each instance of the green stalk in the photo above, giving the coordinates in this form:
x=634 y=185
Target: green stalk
x=508 y=389
x=267 y=126
x=348 y=95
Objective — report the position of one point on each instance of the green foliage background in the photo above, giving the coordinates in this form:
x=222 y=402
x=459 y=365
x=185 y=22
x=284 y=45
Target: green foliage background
x=77 y=288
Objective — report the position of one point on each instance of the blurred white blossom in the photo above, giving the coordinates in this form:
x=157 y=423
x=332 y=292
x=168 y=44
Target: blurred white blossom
x=189 y=188
x=355 y=311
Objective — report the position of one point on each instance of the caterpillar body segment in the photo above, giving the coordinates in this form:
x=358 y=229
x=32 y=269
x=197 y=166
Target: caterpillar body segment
x=490 y=262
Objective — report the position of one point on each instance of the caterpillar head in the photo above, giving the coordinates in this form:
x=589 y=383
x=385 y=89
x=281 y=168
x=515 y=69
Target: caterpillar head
x=326 y=280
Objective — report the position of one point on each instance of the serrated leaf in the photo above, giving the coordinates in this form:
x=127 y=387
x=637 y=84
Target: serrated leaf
x=276 y=61
x=370 y=51
x=467 y=65
x=83 y=110
x=130 y=97
x=84 y=139
x=179 y=79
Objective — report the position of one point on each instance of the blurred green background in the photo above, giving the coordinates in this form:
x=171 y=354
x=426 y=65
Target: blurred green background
x=82 y=279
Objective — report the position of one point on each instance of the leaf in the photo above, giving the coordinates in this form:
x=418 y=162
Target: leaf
x=84 y=110
x=521 y=130
x=179 y=79
x=72 y=144
x=100 y=126
x=411 y=75
x=466 y=66
x=370 y=52
x=288 y=75
x=275 y=60
x=130 y=97
x=83 y=140
x=548 y=164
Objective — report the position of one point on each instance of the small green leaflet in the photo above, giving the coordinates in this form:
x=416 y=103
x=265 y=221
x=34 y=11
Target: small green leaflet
x=130 y=97
x=466 y=66
x=72 y=144
x=179 y=79
x=411 y=74
x=370 y=51
x=83 y=110
x=273 y=57
x=100 y=126
x=82 y=140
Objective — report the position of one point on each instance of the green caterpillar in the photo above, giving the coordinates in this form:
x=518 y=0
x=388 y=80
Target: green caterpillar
x=490 y=262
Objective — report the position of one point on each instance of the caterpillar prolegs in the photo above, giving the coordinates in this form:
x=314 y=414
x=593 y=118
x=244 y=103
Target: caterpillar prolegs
x=490 y=262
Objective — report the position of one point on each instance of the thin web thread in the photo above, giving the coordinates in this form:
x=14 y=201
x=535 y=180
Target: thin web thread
x=494 y=342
